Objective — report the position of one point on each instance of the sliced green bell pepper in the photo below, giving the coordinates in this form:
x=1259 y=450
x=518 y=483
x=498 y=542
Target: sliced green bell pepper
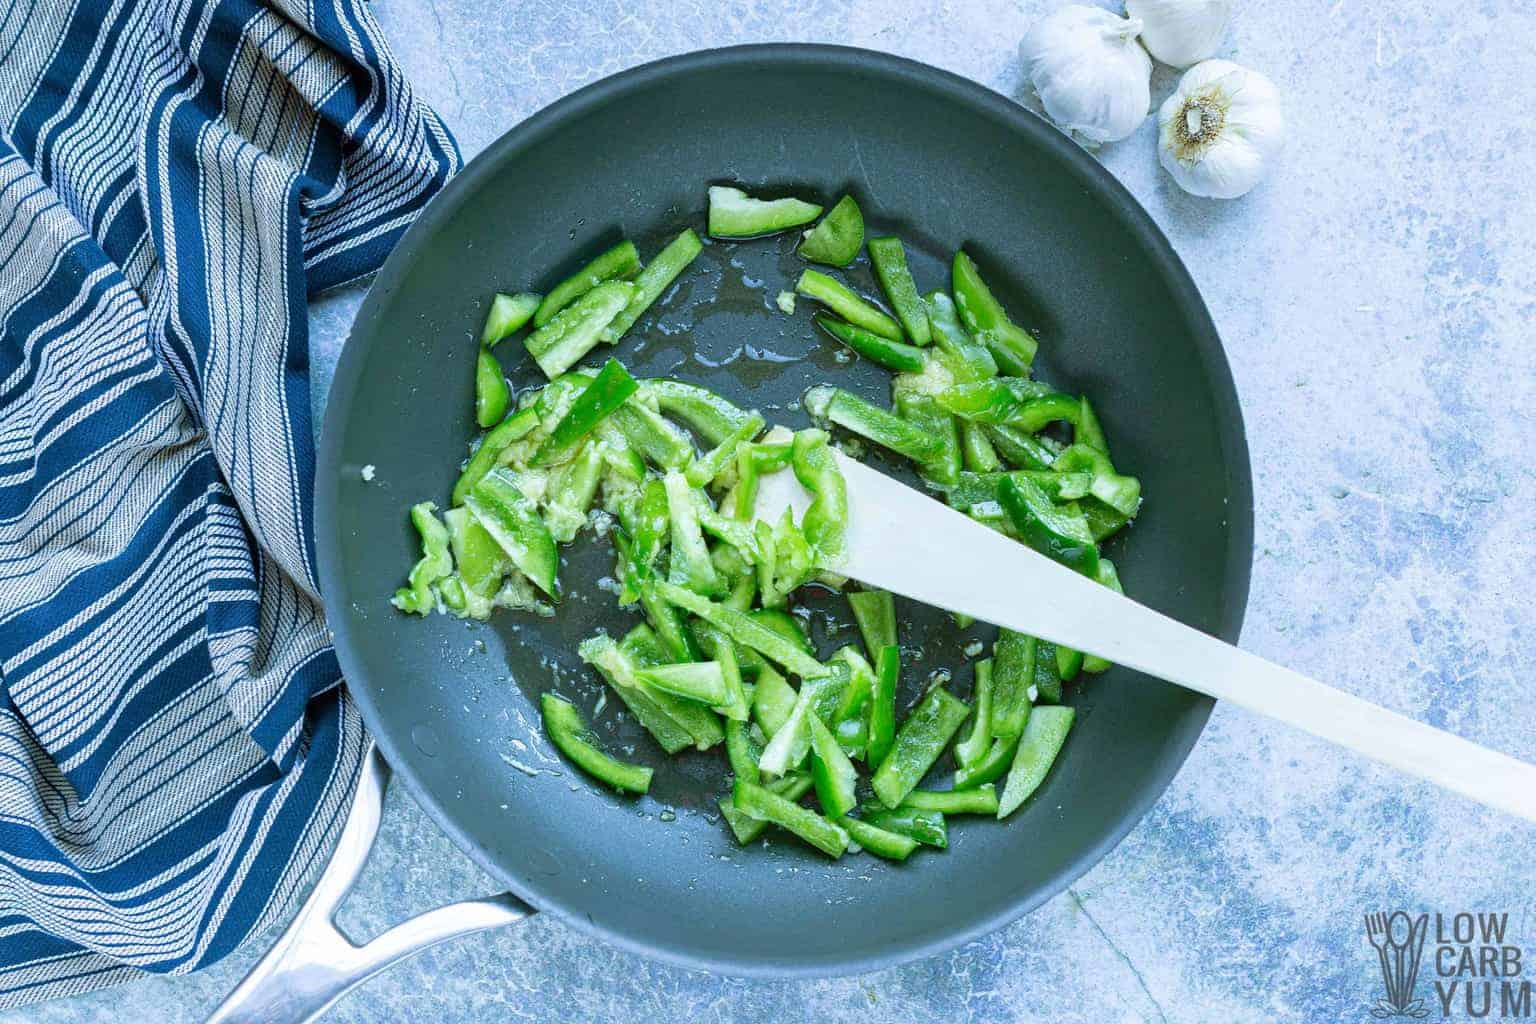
x=734 y=214
x=831 y=771
x=701 y=681
x=647 y=432
x=984 y=317
x=890 y=261
x=836 y=241
x=981 y=800
x=745 y=630
x=612 y=663
x=708 y=466
x=893 y=355
x=882 y=705
x=609 y=390
x=417 y=596
x=872 y=423
x=690 y=564
x=927 y=827
x=969 y=359
x=825 y=522
x=920 y=741
x=975 y=745
x=509 y=431
x=746 y=829
x=570 y=736
x=943 y=468
x=507 y=315
x=705 y=413
x=1110 y=578
x=492 y=392
x=1013 y=673
x=1056 y=531
x=652 y=280
x=508 y=516
x=576 y=329
x=843 y=301
x=878 y=841
x=875 y=613
x=619 y=263
x=764 y=805
x=992 y=766
x=1043 y=739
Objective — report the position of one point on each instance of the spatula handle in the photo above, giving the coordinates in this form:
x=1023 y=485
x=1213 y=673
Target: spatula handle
x=946 y=559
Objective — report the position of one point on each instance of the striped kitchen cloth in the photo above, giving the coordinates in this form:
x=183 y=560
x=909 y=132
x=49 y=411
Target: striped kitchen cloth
x=176 y=177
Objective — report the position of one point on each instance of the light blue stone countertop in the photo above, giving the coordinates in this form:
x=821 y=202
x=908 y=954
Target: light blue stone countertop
x=1375 y=296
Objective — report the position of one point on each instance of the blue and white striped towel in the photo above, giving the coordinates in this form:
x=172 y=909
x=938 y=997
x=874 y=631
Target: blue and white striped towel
x=176 y=176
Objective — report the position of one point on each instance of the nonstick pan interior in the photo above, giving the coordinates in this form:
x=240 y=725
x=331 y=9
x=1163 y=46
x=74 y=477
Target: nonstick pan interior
x=936 y=160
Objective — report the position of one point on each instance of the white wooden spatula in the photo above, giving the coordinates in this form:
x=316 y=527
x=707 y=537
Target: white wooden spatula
x=905 y=542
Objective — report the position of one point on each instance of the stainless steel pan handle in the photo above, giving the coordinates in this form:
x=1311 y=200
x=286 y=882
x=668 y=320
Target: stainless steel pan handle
x=313 y=964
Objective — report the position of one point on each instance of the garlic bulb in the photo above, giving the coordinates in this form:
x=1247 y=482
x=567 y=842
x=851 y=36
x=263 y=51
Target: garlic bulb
x=1180 y=32
x=1220 y=129
x=1092 y=76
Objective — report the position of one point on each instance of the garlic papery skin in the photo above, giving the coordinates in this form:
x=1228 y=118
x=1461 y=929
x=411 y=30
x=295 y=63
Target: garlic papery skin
x=1092 y=75
x=1181 y=32
x=1220 y=130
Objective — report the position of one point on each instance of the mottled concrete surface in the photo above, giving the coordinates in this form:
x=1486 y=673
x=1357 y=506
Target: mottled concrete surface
x=1373 y=296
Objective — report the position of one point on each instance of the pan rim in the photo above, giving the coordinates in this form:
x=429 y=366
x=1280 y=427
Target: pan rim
x=1092 y=175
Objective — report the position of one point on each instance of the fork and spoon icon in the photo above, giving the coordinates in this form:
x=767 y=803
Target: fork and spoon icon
x=1399 y=942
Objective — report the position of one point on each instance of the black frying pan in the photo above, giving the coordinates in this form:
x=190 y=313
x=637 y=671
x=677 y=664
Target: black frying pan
x=938 y=160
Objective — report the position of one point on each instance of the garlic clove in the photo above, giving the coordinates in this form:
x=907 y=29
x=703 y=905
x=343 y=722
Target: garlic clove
x=1181 y=32
x=1220 y=130
x=1092 y=76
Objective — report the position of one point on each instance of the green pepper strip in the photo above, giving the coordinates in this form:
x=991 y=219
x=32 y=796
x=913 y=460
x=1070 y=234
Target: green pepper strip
x=1057 y=531
x=649 y=524
x=1121 y=493
x=872 y=423
x=569 y=734
x=1013 y=346
x=707 y=414
x=922 y=738
x=665 y=619
x=976 y=488
x=610 y=389
x=993 y=766
x=837 y=239
x=843 y=301
x=752 y=461
x=788 y=746
x=1020 y=449
x=882 y=705
x=701 y=681
x=1013 y=673
x=478 y=560
x=736 y=706
x=831 y=771
x=981 y=800
x=875 y=613
x=571 y=491
x=1043 y=739
x=925 y=414
x=734 y=214
x=969 y=359
x=927 y=827
x=745 y=630
x=507 y=515
x=890 y=261
x=992 y=402
x=492 y=393
x=653 y=280
x=560 y=344
x=773 y=701
x=893 y=355
x=757 y=802
x=974 y=747
x=746 y=829
x=1069 y=662
x=514 y=428
x=848 y=718
x=662 y=444
x=878 y=841
x=507 y=315
x=825 y=522
x=976 y=449
x=1103 y=521
x=1089 y=430
x=1110 y=578
x=1047 y=674
x=690 y=564
x=603 y=654
x=708 y=466
x=619 y=263
x=642 y=649
x=435 y=563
